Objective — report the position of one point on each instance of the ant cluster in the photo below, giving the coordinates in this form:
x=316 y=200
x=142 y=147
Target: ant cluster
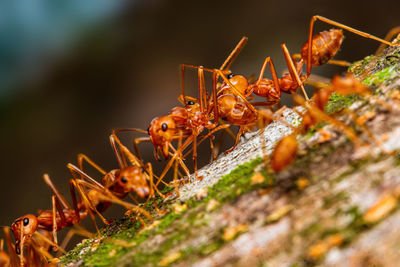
x=228 y=103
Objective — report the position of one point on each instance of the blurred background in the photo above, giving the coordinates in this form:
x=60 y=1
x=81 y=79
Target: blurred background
x=72 y=70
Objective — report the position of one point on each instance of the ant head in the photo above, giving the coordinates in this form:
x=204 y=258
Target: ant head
x=24 y=226
x=134 y=179
x=162 y=131
x=192 y=106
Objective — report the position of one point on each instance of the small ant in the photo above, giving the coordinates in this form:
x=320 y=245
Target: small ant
x=60 y=216
x=326 y=44
x=115 y=184
x=285 y=151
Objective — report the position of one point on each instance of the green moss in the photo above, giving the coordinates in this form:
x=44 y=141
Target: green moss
x=380 y=76
x=174 y=227
x=338 y=102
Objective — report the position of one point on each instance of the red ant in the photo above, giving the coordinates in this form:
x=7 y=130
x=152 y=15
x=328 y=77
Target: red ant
x=60 y=216
x=187 y=123
x=286 y=150
x=115 y=184
x=326 y=44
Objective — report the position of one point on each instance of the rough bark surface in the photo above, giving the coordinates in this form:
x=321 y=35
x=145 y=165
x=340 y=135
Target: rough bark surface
x=337 y=205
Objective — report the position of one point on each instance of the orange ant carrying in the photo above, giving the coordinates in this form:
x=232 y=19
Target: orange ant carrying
x=182 y=123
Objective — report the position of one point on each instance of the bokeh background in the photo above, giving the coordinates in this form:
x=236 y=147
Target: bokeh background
x=72 y=70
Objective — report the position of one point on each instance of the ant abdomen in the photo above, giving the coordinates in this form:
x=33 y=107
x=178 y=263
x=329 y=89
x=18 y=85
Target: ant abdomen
x=325 y=45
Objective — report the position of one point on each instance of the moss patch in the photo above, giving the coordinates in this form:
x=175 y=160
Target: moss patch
x=338 y=102
x=380 y=76
x=128 y=237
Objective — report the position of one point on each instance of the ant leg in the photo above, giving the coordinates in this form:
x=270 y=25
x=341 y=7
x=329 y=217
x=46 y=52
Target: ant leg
x=337 y=24
x=195 y=156
x=341 y=63
x=179 y=158
x=227 y=130
x=41 y=238
x=261 y=126
x=74 y=200
x=53 y=201
x=275 y=79
x=292 y=69
x=78 y=174
x=233 y=55
x=183 y=66
x=201 y=88
x=389 y=36
x=87 y=203
x=224 y=67
x=10 y=247
x=77 y=230
x=107 y=195
x=176 y=164
x=187 y=142
x=322 y=116
x=57 y=193
x=221 y=127
x=212 y=147
x=20 y=244
x=240 y=133
x=74 y=183
x=83 y=157
x=132 y=158
x=215 y=97
x=153 y=189
x=136 y=141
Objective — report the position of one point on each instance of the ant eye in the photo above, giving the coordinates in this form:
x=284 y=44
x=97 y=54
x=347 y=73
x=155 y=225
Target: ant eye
x=142 y=169
x=164 y=127
x=343 y=74
x=230 y=75
x=190 y=103
x=26 y=221
x=148 y=130
x=124 y=180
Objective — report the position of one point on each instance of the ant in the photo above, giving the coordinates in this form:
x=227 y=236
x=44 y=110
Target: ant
x=346 y=84
x=230 y=99
x=285 y=151
x=63 y=215
x=326 y=44
x=36 y=251
x=115 y=184
x=60 y=216
x=186 y=122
